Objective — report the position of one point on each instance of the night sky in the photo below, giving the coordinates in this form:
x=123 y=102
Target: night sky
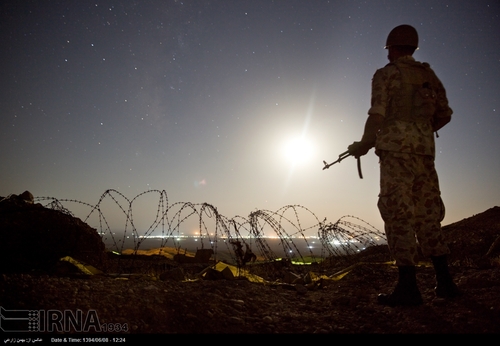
x=203 y=98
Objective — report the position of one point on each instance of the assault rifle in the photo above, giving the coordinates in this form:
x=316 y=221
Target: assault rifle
x=341 y=157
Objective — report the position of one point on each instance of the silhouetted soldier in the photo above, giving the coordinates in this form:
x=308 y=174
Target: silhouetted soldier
x=408 y=104
x=249 y=255
x=238 y=251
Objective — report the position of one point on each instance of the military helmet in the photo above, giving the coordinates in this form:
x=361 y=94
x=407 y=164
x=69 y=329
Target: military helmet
x=402 y=35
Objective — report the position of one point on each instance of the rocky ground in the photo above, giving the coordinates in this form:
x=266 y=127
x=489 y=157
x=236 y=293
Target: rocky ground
x=141 y=304
x=238 y=306
x=145 y=304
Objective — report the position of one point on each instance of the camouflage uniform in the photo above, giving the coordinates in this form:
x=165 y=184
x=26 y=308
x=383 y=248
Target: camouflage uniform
x=409 y=96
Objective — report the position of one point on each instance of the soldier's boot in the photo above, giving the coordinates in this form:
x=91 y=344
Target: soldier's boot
x=406 y=292
x=445 y=287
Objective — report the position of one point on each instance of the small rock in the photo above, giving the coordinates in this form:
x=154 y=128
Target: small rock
x=237 y=301
x=236 y=320
x=439 y=301
x=27 y=197
x=268 y=319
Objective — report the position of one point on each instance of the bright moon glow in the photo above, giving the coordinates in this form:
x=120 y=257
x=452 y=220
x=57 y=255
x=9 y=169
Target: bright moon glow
x=298 y=150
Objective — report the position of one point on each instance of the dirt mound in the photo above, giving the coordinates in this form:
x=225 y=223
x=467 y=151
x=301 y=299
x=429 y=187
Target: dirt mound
x=33 y=237
x=475 y=241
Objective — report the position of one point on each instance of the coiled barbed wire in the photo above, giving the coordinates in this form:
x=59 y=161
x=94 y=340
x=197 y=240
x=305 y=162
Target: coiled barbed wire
x=347 y=236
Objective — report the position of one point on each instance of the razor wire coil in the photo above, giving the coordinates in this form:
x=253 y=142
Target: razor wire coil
x=347 y=236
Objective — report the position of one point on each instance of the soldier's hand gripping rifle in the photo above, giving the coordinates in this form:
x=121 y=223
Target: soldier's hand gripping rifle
x=341 y=157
